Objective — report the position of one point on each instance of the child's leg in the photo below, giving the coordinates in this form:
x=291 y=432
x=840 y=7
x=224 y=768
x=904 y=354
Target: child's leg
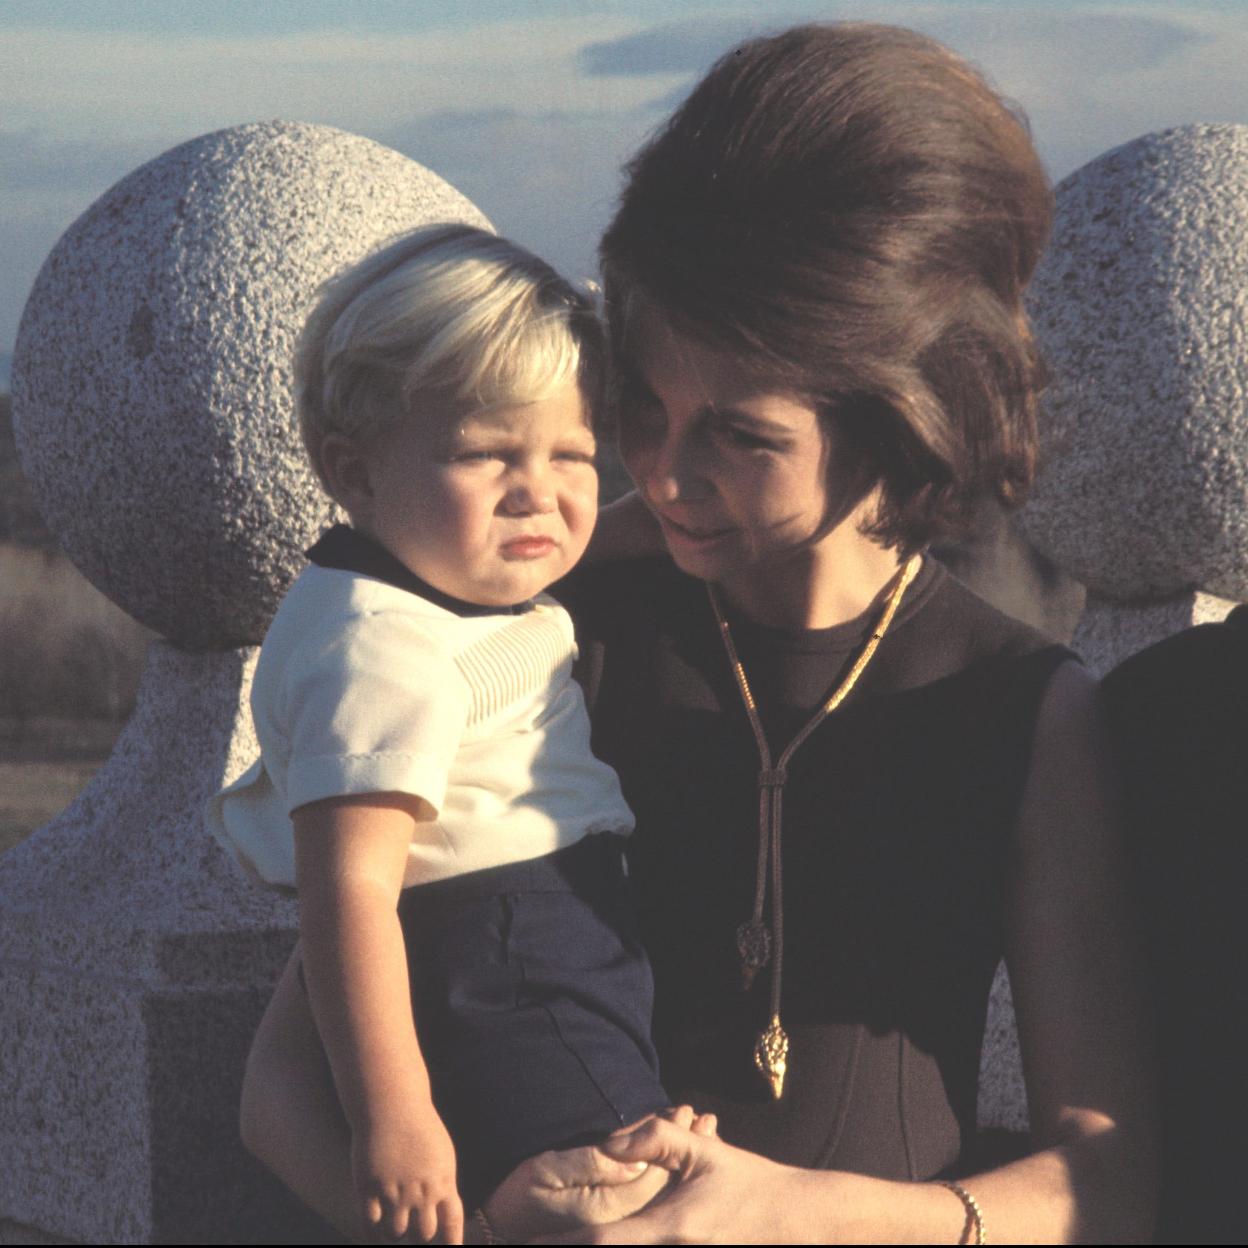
x=532 y=1002
x=292 y=1123
x=290 y=1118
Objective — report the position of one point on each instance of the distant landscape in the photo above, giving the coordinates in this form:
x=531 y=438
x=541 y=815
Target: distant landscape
x=69 y=661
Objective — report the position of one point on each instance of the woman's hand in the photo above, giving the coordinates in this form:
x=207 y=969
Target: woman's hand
x=576 y=1188
x=724 y=1195
x=404 y=1175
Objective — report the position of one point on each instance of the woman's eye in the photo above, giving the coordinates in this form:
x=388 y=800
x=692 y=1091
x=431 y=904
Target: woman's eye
x=641 y=414
x=743 y=438
x=636 y=401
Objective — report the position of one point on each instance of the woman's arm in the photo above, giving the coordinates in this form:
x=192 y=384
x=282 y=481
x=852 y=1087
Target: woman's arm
x=350 y=855
x=1082 y=1029
x=1072 y=953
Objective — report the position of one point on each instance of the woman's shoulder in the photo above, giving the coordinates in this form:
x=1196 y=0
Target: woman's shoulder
x=620 y=593
x=964 y=630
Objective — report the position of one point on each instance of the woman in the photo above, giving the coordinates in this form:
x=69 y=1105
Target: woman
x=814 y=287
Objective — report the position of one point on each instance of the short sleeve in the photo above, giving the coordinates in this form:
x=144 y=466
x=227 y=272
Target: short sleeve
x=379 y=707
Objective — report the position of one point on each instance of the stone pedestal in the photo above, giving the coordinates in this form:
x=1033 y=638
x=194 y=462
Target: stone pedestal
x=1002 y=1091
x=1140 y=309
x=153 y=416
x=135 y=961
x=1109 y=632
x=19 y=1233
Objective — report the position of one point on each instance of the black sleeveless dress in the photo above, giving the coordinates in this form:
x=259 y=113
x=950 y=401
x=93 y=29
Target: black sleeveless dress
x=897 y=842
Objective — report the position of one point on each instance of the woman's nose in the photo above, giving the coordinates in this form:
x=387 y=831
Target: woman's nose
x=673 y=475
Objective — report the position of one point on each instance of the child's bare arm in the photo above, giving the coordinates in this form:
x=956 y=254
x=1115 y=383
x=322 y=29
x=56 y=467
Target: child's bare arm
x=350 y=854
x=625 y=530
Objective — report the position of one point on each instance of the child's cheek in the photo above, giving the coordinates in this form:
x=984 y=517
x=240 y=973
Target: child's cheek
x=585 y=515
x=584 y=493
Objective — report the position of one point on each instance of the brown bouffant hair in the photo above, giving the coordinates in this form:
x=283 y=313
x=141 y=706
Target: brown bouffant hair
x=852 y=212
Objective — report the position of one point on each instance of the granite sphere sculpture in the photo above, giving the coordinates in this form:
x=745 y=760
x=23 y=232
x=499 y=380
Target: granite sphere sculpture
x=1141 y=308
x=152 y=373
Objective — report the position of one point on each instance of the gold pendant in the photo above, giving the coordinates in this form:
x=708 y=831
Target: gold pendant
x=771 y=1053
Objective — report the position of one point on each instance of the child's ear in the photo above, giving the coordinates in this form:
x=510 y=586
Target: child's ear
x=346 y=473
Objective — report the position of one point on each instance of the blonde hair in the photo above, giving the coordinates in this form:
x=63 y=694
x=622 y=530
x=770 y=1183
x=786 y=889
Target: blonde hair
x=448 y=316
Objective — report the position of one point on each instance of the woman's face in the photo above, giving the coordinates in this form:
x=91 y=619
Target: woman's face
x=738 y=477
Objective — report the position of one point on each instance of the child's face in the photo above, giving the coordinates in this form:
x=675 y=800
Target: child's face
x=492 y=507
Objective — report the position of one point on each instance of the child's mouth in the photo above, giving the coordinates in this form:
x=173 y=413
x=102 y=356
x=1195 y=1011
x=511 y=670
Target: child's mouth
x=528 y=547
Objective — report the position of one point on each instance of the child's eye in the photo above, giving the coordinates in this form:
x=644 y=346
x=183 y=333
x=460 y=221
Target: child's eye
x=576 y=456
x=473 y=457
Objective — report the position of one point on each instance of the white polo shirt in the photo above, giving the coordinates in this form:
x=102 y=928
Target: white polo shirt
x=365 y=687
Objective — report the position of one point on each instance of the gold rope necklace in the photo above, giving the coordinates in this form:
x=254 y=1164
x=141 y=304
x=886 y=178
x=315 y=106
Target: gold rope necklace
x=755 y=944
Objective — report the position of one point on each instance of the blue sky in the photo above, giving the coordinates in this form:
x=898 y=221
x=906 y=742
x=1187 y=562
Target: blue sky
x=529 y=107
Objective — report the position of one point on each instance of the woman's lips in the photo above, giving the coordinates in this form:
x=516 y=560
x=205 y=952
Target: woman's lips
x=528 y=547
x=699 y=537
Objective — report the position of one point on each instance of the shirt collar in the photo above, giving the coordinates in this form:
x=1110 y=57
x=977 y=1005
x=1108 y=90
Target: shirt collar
x=348 y=550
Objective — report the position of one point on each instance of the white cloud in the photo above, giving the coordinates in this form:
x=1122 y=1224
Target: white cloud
x=548 y=180
x=98 y=84
x=34 y=167
x=672 y=47
x=1087 y=40
x=1090 y=76
x=82 y=109
x=532 y=118
x=1082 y=105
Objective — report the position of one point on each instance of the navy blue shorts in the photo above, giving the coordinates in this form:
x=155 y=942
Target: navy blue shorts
x=532 y=997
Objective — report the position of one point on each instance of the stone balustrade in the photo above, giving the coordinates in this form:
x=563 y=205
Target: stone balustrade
x=152 y=405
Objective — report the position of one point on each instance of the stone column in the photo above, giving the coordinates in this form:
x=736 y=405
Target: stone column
x=1141 y=308
x=152 y=407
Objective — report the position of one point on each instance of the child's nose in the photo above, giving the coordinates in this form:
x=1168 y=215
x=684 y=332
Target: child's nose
x=531 y=492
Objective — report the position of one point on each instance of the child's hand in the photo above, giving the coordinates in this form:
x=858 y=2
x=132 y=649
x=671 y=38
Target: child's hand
x=405 y=1178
